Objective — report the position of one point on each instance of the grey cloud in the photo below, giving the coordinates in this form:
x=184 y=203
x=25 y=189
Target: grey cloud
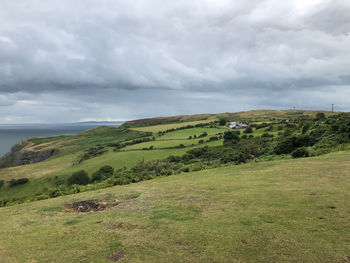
x=107 y=56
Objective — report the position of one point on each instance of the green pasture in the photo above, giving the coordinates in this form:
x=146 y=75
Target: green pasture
x=278 y=211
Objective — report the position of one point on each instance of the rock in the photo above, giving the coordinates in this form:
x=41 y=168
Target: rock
x=19 y=156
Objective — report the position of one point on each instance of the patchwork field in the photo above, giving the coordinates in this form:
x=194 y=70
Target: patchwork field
x=161 y=139
x=279 y=211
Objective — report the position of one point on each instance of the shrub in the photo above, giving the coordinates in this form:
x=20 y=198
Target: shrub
x=1 y=183
x=248 y=130
x=320 y=116
x=186 y=169
x=266 y=135
x=93 y=152
x=300 y=152
x=102 y=174
x=204 y=134
x=222 y=122
x=81 y=177
x=15 y=182
x=230 y=137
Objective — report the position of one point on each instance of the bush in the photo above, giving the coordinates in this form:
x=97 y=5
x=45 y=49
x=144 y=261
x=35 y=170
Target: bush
x=230 y=137
x=267 y=135
x=320 y=116
x=222 y=122
x=15 y=182
x=2 y=182
x=81 y=177
x=300 y=152
x=102 y=174
x=248 y=130
x=213 y=138
x=204 y=134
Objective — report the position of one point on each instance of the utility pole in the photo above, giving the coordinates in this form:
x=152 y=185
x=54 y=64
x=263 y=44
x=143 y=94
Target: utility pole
x=332 y=108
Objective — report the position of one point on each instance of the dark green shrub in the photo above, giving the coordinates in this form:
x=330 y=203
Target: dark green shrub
x=102 y=174
x=81 y=177
x=204 y=134
x=186 y=169
x=15 y=182
x=2 y=182
x=320 y=116
x=248 y=130
x=222 y=122
x=300 y=152
x=230 y=137
x=93 y=152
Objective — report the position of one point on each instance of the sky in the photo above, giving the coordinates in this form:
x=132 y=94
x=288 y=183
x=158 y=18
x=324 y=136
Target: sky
x=81 y=60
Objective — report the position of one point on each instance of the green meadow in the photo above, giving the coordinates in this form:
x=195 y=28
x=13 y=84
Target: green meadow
x=278 y=211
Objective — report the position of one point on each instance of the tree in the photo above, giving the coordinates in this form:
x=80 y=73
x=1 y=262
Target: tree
x=230 y=137
x=81 y=177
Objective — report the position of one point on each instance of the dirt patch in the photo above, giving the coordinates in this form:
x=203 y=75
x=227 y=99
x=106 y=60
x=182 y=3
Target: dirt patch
x=91 y=205
x=116 y=256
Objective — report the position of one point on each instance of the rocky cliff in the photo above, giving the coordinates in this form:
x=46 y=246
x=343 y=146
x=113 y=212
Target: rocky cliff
x=21 y=154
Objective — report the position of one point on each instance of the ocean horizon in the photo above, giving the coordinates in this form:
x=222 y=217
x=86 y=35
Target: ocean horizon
x=10 y=134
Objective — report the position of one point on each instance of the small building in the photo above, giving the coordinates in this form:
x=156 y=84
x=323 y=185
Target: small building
x=235 y=125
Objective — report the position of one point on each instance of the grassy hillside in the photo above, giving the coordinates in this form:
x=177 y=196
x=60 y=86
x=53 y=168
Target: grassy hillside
x=261 y=115
x=278 y=211
x=144 y=140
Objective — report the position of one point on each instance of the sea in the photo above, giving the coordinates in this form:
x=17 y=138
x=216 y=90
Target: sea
x=10 y=134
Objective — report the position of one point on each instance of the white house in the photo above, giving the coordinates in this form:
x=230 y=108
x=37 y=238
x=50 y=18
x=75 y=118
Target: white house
x=235 y=125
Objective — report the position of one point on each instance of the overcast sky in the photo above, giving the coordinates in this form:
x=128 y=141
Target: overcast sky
x=66 y=61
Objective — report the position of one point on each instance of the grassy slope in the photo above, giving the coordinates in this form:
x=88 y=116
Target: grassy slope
x=73 y=146
x=276 y=211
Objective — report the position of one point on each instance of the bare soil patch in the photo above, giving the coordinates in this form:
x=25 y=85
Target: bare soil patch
x=95 y=205
x=116 y=256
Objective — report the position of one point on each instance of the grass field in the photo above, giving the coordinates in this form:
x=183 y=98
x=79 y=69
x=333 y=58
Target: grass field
x=279 y=211
x=72 y=148
x=164 y=127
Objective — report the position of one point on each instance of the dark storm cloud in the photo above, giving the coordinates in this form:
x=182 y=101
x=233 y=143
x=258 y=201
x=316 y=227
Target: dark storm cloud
x=70 y=60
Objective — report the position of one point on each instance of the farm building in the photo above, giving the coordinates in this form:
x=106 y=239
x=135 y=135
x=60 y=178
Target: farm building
x=235 y=125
